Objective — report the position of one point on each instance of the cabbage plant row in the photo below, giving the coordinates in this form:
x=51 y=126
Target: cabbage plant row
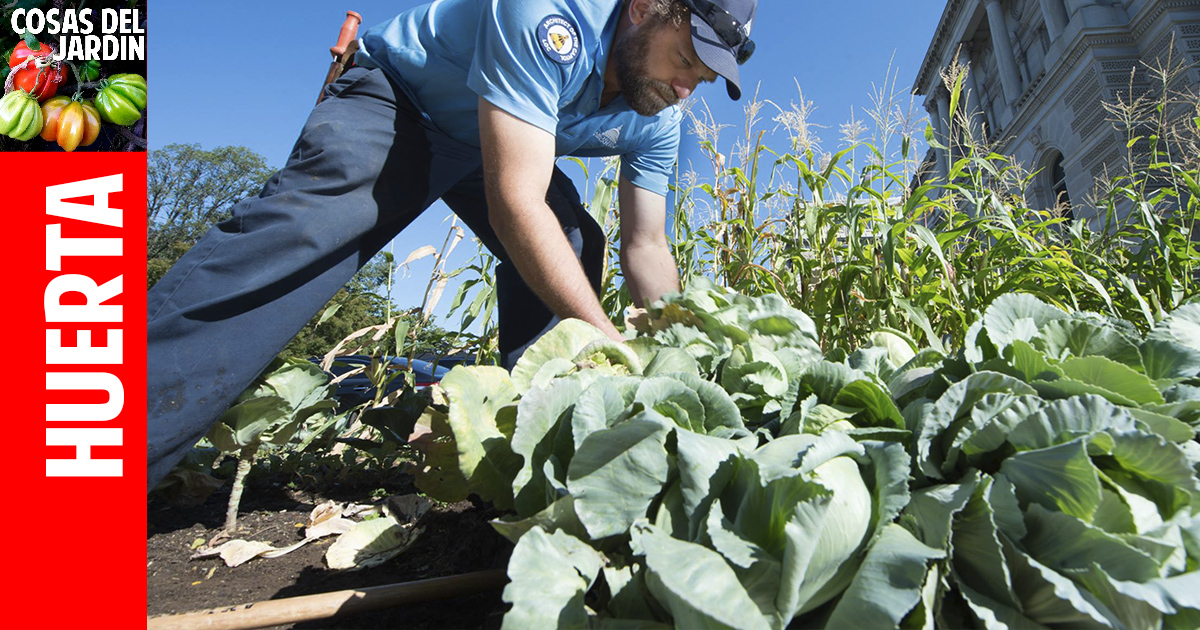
x=719 y=471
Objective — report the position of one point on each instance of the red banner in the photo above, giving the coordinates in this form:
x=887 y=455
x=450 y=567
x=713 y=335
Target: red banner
x=76 y=247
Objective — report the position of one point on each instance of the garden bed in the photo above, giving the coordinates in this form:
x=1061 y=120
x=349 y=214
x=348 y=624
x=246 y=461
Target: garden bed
x=457 y=539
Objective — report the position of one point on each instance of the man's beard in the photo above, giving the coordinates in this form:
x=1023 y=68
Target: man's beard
x=645 y=96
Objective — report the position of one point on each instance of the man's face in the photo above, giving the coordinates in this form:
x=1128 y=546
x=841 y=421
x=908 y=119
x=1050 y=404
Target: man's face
x=657 y=66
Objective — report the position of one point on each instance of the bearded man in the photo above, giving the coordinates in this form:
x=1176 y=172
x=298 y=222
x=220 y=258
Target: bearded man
x=469 y=101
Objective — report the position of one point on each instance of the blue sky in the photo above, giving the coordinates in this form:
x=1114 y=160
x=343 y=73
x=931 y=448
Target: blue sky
x=247 y=73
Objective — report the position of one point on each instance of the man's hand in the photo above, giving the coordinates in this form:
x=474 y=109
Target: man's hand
x=518 y=160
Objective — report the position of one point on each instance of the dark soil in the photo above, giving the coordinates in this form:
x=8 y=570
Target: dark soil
x=457 y=539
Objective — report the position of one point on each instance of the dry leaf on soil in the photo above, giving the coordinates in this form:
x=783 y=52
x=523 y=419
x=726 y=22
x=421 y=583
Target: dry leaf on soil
x=238 y=552
x=326 y=520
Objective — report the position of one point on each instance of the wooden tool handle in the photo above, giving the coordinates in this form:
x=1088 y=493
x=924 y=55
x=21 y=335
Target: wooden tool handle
x=275 y=612
x=343 y=51
x=348 y=34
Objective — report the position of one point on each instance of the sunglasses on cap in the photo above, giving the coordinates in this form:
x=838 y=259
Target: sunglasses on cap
x=727 y=27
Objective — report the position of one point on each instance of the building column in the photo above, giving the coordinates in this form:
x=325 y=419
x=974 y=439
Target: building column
x=986 y=98
x=1010 y=77
x=1055 y=15
x=945 y=127
x=973 y=102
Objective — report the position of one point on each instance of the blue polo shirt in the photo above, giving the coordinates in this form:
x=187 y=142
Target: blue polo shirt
x=542 y=61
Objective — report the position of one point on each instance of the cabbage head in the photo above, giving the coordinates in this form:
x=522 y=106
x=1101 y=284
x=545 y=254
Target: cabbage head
x=784 y=526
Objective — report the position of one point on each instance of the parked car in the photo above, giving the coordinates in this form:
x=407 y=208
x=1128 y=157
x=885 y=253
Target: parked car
x=357 y=388
x=451 y=360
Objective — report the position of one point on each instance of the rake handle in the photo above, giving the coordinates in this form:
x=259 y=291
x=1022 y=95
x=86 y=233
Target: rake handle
x=326 y=605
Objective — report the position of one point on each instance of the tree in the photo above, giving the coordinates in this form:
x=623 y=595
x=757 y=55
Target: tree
x=112 y=137
x=188 y=190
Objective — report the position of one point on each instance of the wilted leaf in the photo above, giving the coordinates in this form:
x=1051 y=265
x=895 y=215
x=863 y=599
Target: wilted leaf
x=485 y=457
x=329 y=527
x=326 y=520
x=370 y=543
x=325 y=511
x=238 y=552
x=417 y=254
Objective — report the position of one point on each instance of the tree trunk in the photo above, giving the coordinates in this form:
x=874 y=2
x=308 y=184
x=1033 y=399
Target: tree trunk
x=245 y=460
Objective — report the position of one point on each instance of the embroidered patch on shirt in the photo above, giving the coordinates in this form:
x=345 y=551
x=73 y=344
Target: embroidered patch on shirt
x=609 y=138
x=559 y=39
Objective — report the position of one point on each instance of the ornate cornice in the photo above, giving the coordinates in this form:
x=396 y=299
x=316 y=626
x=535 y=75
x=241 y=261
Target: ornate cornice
x=933 y=55
x=1154 y=10
x=1146 y=17
x=1085 y=43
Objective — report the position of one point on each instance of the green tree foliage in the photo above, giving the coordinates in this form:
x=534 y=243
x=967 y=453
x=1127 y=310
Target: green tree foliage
x=112 y=137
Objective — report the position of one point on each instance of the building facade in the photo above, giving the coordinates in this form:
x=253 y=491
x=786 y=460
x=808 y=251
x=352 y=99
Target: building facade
x=1040 y=71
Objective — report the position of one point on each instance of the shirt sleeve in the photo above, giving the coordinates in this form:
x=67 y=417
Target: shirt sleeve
x=651 y=164
x=510 y=69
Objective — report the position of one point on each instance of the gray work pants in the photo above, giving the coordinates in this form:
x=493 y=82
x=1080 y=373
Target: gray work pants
x=365 y=166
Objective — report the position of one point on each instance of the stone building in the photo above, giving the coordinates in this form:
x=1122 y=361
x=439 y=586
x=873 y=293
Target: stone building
x=1040 y=70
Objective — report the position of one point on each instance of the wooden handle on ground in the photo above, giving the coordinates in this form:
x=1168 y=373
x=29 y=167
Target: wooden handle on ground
x=325 y=605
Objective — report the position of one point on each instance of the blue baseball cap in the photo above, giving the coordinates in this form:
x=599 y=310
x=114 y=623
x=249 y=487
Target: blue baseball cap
x=721 y=35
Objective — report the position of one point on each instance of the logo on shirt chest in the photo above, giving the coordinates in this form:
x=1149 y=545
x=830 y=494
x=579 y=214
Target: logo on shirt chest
x=559 y=39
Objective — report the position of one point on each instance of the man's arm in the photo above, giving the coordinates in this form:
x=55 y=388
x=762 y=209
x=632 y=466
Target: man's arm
x=650 y=270
x=518 y=161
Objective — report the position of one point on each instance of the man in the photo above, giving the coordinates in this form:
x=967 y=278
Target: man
x=469 y=101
